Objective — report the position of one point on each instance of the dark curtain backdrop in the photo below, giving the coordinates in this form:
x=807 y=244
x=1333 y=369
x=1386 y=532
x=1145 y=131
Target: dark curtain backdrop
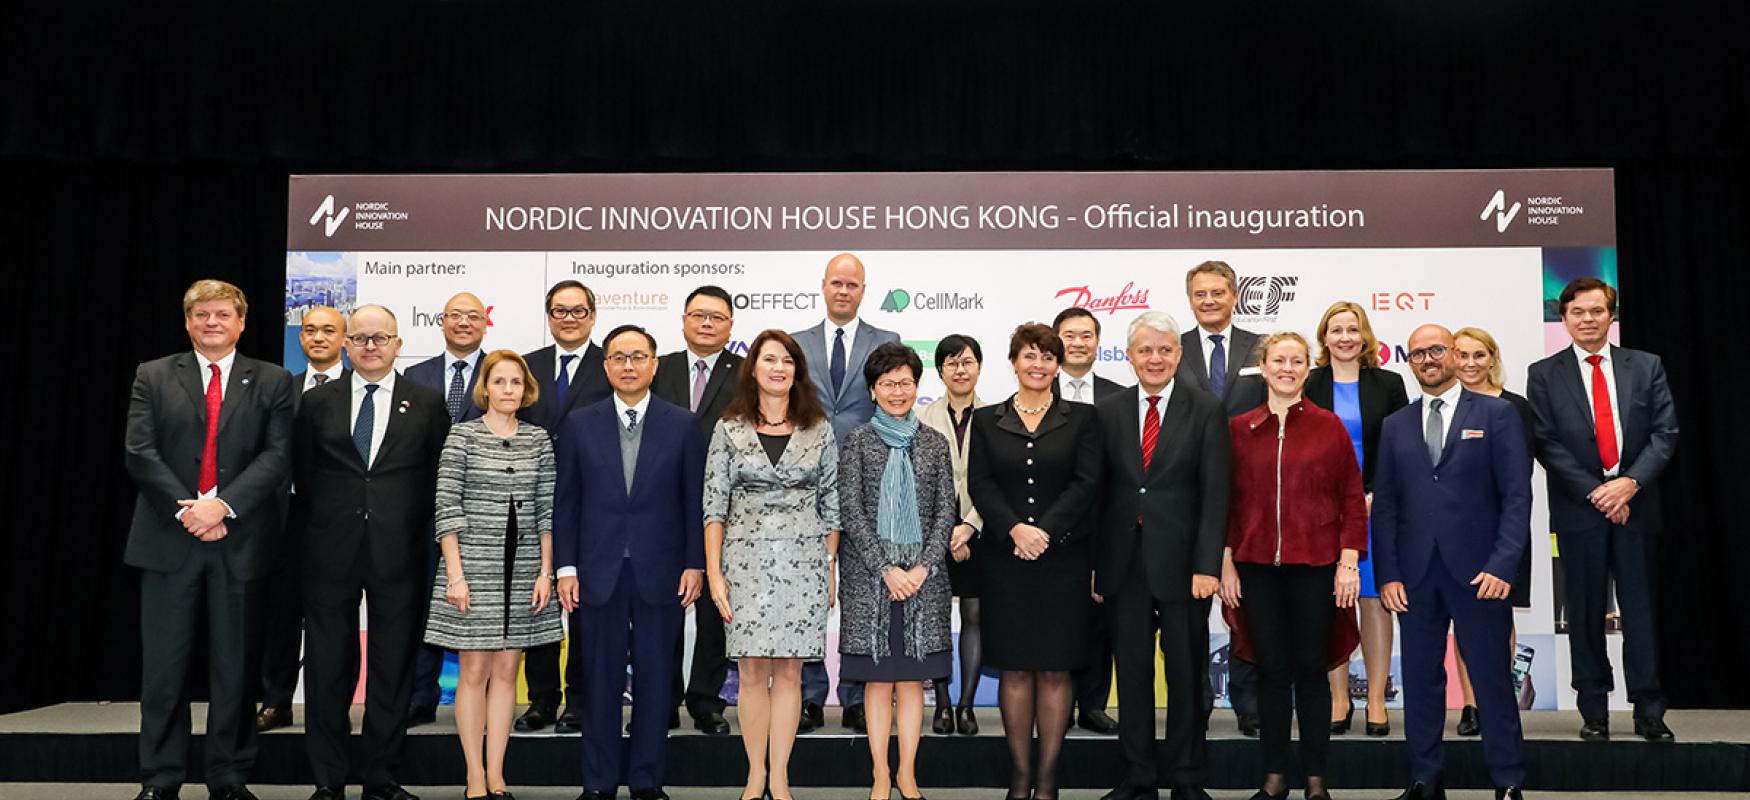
x=147 y=145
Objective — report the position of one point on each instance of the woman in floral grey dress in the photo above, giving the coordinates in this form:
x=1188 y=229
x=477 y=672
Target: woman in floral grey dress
x=771 y=537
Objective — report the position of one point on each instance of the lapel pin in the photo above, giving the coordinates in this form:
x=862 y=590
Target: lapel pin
x=404 y=406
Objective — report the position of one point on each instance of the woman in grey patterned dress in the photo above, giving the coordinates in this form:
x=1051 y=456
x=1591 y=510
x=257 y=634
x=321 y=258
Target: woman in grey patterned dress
x=494 y=523
x=771 y=536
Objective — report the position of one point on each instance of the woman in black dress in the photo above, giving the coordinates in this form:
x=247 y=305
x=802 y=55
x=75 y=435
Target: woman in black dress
x=1031 y=473
x=1479 y=369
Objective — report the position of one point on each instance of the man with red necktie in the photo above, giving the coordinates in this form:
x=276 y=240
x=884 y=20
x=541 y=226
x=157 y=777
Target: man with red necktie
x=1606 y=429
x=208 y=445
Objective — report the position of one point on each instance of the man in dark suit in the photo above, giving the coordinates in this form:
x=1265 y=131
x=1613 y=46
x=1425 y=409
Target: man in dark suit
x=569 y=374
x=836 y=349
x=365 y=458
x=701 y=378
x=1079 y=331
x=1163 y=520
x=208 y=437
x=1606 y=429
x=452 y=374
x=1451 y=515
x=1222 y=360
x=628 y=540
x=282 y=636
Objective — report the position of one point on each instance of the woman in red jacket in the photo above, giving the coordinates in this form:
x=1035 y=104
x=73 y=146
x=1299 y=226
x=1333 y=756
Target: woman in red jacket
x=1297 y=526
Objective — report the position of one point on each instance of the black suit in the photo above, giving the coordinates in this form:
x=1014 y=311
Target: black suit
x=588 y=384
x=184 y=580
x=1382 y=392
x=366 y=533
x=1093 y=684
x=674 y=383
x=1241 y=393
x=1157 y=530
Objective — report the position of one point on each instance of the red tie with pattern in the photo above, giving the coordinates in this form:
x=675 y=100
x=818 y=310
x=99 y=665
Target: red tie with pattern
x=1601 y=416
x=210 y=453
x=1151 y=430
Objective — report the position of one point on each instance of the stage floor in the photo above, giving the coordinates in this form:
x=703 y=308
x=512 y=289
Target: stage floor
x=97 y=743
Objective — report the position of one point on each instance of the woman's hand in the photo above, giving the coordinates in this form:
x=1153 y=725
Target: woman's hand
x=1348 y=584
x=960 y=553
x=832 y=586
x=543 y=594
x=1030 y=541
x=899 y=583
x=961 y=536
x=456 y=592
x=1230 y=582
x=720 y=594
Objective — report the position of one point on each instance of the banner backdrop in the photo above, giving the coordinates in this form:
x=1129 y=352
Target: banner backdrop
x=979 y=253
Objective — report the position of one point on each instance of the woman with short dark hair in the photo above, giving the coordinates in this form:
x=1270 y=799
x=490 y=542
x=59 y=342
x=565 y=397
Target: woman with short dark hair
x=959 y=359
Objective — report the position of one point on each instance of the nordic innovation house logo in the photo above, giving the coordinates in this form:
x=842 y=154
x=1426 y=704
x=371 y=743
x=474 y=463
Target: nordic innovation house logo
x=1503 y=215
x=328 y=217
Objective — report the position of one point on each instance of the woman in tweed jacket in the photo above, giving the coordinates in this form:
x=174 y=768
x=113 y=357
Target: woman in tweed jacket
x=898 y=506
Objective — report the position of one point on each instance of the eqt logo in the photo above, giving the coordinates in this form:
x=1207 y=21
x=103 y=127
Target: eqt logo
x=325 y=213
x=1261 y=295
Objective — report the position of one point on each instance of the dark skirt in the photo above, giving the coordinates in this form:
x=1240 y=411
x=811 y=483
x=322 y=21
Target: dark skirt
x=963 y=576
x=1036 y=616
x=896 y=667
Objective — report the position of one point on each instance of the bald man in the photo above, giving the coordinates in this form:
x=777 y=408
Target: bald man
x=1451 y=516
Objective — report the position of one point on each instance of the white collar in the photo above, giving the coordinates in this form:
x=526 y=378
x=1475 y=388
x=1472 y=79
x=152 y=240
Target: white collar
x=710 y=360
x=386 y=385
x=850 y=329
x=620 y=408
x=473 y=358
x=224 y=362
x=1450 y=396
x=332 y=372
x=1226 y=333
x=1580 y=353
x=561 y=350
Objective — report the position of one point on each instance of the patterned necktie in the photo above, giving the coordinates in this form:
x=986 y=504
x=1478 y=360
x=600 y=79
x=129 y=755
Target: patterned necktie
x=320 y=378
x=631 y=418
x=838 y=361
x=361 y=430
x=1602 y=419
x=1151 y=430
x=699 y=379
x=209 y=479
x=1433 y=433
x=454 y=399
x=1217 y=367
x=562 y=386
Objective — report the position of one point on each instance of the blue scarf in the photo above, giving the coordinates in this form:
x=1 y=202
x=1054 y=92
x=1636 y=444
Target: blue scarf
x=896 y=518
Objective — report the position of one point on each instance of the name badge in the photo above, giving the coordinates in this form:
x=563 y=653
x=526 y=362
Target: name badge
x=1470 y=433
x=1251 y=371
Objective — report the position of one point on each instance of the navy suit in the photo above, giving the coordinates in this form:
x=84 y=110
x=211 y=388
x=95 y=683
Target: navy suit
x=629 y=551
x=1435 y=526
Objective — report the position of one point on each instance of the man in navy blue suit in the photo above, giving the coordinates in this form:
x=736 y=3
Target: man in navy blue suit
x=452 y=374
x=1451 y=515
x=633 y=562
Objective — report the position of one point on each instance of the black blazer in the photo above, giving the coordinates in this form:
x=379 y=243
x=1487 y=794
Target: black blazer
x=1182 y=500
x=387 y=508
x=1241 y=393
x=1046 y=478
x=1382 y=392
x=1568 y=446
x=589 y=383
x=1103 y=389
x=166 y=432
x=674 y=383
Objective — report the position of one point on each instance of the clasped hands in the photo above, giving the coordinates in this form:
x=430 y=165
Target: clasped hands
x=1611 y=498
x=205 y=518
x=1031 y=541
x=903 y=583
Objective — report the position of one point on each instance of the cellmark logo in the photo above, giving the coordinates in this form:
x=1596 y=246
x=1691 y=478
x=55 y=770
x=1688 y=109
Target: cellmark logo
x=899 y=300
x=1264 y=295
x=1503 y=215
x=329 y=218
x=896 y=301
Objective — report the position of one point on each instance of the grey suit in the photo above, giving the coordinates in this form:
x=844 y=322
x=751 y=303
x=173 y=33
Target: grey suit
x=1241 y=393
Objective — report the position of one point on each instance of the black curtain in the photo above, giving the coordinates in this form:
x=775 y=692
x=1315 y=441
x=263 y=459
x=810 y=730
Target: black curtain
x=148 y=145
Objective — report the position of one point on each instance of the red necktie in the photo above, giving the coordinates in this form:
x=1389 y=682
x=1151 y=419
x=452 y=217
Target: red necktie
x=210 y=453
x=1151 y=430
x=1601 y=416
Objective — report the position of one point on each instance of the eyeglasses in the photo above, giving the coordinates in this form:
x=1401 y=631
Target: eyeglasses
x=1436 y=352
x=635 y=359
x=464 y=316
x=954 y=364
x=896 y=386
x=373 y=340
x=702 y=317
x=574 y=312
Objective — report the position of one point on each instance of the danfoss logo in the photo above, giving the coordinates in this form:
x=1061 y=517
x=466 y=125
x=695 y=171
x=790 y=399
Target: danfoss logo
x=328 y=217
x=1128 y=298
x=1503 y=214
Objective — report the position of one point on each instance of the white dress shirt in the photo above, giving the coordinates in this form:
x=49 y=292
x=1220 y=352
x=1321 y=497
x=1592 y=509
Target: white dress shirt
x=1227 y=344
x=693 y=360
x=850 y=329
x=472 y=362
x=1166 y=397
x=1064 y=387
x=381 y=406
x=1609 y=367
x=620 y=408
x=332 y=373
x=559 y=365
x=1448 y=411
x=225 y=363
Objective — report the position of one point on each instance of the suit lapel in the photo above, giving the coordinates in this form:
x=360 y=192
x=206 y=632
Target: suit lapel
x=343 y=423
x=607 y=420
x=854 y=359
x=188 y=373
x=1173 y=418
x=1239 y=348
x=723 y=372
x=1577 y=384
x=1624 y=372
x=1193 y=358
x=647 y=444
x=397 y=422
x=813 y=342
x=1467 y=403
x=1129 y=432
x=236 y=389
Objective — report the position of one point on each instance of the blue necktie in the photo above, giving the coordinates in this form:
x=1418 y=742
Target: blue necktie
x=563 y=385
x=361 y=430
x=838 y=361
x=454 y=400
x=631 y=418
x=1217 y=367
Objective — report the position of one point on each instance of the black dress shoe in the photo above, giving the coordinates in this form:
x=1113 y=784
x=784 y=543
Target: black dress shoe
x=230 y=791
x=1132 y=793
x=965 y=721
x=156 y=793
x=1191 y=793
x=269 y=718
x=1654 y=730
x=944 y=721
x=1263 y=795
x=855 y=719
x=537 y=718
x=1595 y=730
x=1341 y=726
x=1097 y=721
x=500 y=796
x=388 y=791
x=596 y=796
x=813 y=716
x=1468 y=724
x=1423 y=791
x=421 y=716
x=1379 y=728
x=712 y=723
x=1248 y=724
x=329 y=793
x=1509 y=793
x=649 y=794
x=570 y=721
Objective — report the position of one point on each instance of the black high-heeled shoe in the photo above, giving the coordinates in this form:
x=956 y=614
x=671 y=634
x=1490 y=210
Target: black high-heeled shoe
x=944 y=723
x=965 y=722
x=1379 y=728
x=1340 y=727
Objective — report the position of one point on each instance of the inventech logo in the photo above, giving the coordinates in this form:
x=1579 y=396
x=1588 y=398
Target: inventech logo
x=1262 y=296
x=1503 y=215
x=326 y=215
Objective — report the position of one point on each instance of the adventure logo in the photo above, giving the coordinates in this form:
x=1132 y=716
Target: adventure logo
x=899 y=300
x=1128 y=298
x=1264 y=296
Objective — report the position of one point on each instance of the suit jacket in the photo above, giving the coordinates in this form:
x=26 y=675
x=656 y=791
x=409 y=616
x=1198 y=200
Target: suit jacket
x=1181 y=500
x=936 y=416
x=1475 y=505
x=674 y=383
x=386 y=508
x=589 y=384
x=1240 y=393
x=434 y=374
x=1103 y=388
x=1568 y=442
x=661 y=519
x=852 y=405
x=1382 y=392
x=166 y=432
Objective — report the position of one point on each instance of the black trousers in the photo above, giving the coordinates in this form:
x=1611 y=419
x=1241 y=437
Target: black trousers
x=1133 y=613
x=282 y=635
x=1591 y=559
x=171 y=607
x=704 y=683
x=1288 y=618
x=1242 y=687
x=541 y=671
x=1093 y=684
x=395 y=612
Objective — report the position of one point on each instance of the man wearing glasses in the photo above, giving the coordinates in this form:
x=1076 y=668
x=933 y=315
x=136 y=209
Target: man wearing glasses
x=701 y=379
x=451 y=374
x=569 y=373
